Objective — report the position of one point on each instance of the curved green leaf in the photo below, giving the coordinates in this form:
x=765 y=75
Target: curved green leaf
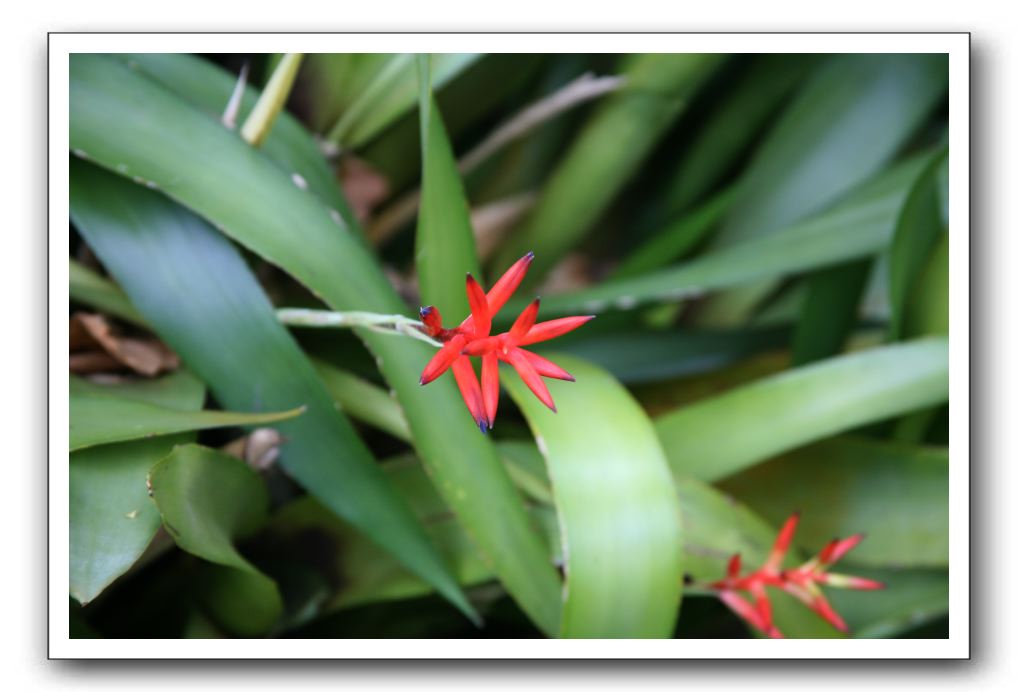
x=87 y=287
x=179 y=390
x=363 y=401
x=787 y=410
x=207 y=500
x=209 y=169
x=859 y=227
x=445 y=250
x=830 y=310
x=191 y=284
x=912 y=598
x=99 y=418
x=605 y=154
x=617 y=507
x=209 y=87
x=895 y=494
x=915 y=239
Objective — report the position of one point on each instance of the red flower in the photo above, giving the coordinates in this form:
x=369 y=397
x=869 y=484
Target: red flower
x=802 y=582
x=471 y=338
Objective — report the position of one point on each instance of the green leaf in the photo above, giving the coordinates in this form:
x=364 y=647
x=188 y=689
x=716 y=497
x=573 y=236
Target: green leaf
x=617 y=507
x=895 y=494
x=99 y=419
x=830 y=310
x=89 y=288
x=911 y=598
x=915 y=239
x=391 y=93
x=207 y=500
x=194 y=160
x=787 y=410
x=647 y=356
x=606 y=153
x=858 y=227
x=445 y=250
x=733 y=125
x=362 y=400
x=185 y=277
x=677 y=238
x=180 y=390
x=208 y=87
x=112 y=519
x=847 y=122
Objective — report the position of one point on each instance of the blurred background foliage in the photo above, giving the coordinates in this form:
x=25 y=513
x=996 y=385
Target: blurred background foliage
x=764 y=240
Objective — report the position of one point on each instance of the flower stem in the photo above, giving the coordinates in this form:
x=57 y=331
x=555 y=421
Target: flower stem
x=385 y=324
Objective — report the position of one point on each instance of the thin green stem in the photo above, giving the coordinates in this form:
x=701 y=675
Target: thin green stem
x=384 y=324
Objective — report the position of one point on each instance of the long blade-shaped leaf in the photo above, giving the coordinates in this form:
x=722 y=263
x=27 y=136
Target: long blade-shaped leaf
x=91 y=289
x=207 y=500
x=99 y=419
x=193 y=159
x=859 y=227
x=895 y=494
x=790 y=409
x=617 y=507
x=445 y=240
x=607 y=152
x=195 y=290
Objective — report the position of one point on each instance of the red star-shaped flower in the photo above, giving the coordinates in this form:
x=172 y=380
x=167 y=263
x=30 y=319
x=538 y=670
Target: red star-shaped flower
x=472 y=338
x=802 y=582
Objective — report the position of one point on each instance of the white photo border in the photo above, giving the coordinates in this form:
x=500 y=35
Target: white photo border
x=956 y=45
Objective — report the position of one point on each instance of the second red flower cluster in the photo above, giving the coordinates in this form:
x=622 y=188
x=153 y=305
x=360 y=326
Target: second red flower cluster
x=473 y=338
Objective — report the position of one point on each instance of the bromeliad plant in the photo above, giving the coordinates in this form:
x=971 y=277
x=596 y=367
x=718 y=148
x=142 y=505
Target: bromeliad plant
x=802 y=582
x=472 y=338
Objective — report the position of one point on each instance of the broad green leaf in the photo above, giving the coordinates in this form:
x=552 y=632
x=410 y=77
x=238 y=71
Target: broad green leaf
x=919 y=229
x=445 y=250
x=911 y=597
x=895 y=494
x=194 y=288
x=112 y=520
x=830 y=310
x=792 y=408
x=858 y=227
x=180 y=390
x=207 y=500
x=88 y=288
x=208 y=87
x=677 y=238
x=845 y=124
x=363 y=401
x=616 y=504
x=101 y=418
x=734 y=124
x=194 y=160
x=606 y=153
x=647 y=356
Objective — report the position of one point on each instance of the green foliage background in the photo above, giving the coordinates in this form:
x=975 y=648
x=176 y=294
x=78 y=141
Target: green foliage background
x=763 y=237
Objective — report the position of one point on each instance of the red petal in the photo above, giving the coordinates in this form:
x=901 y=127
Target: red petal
x=478 y=307
x=734 y=566
x=470 y=388
x=552 y=328
x=843 y=581
x=525 y=321
x=743 y=608
x=822 y=608
x=837 y=549
x=441 y=361
x=781 y=544
x=480 y=347
x=763 y=604
x=530 y=377
x=432 y=320
x=504 y=287
x=545 y=368
x=489 y=385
